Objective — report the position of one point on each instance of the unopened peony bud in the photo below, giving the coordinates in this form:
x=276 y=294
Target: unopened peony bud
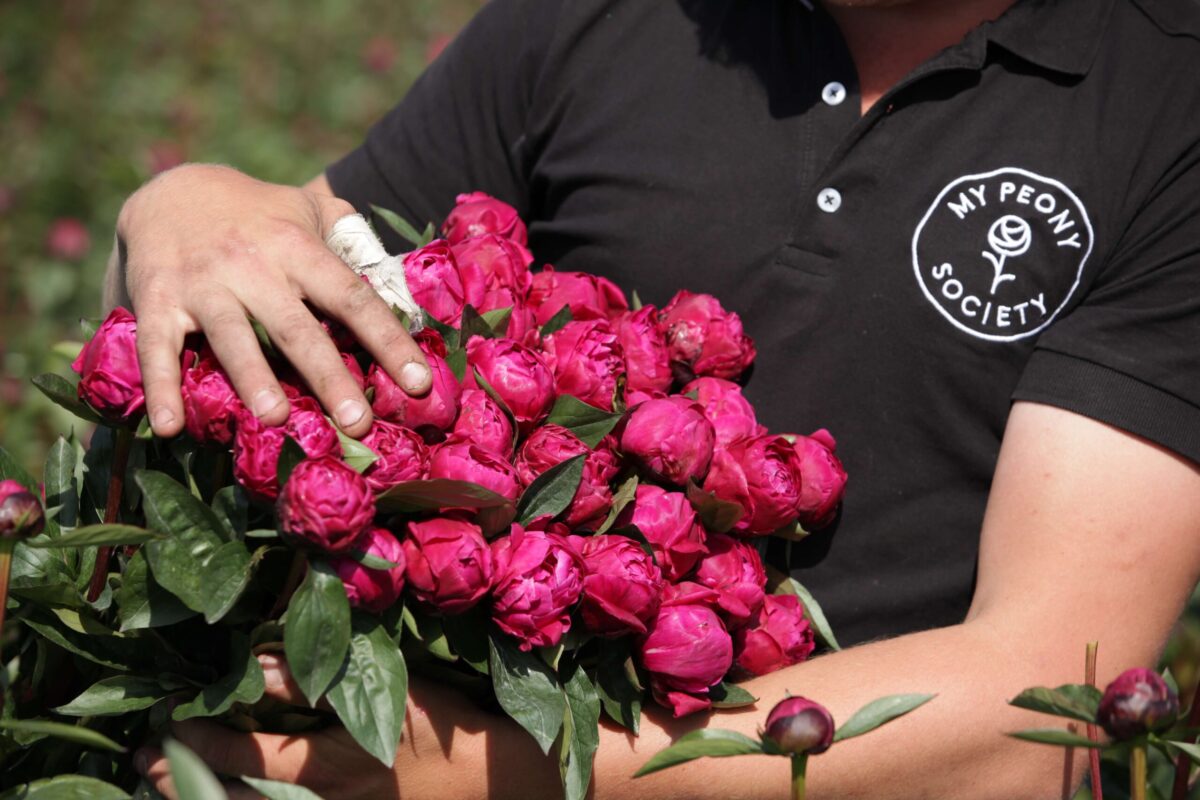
x=432 y=277
x=705 y=338
x=589 y=296
x=402 y=453
x=459 y=460
x=482 y=422
x=477 y=214
x=586 y=360
x=621 y=585
x=325 y=504
x=687 y=651
x=781 y=636
x=670 y=438
x=21 y=514
x=110 y=379
x=538 y=580
x=370 y=589
x=210 y=405
x=449 y=564
x=823 y=479
x=669 y=523
x=1139 y=701
x=519 y=376
x=798 y=725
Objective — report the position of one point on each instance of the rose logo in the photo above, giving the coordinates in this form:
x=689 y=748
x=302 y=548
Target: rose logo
x=1009 y=236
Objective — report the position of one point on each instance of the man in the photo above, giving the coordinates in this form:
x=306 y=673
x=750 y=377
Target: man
x=924 y=210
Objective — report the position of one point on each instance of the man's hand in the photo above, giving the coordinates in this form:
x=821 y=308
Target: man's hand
x=205 y=248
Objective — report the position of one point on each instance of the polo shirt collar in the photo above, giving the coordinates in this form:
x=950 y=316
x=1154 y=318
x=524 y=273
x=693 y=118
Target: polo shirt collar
x=1059 y=35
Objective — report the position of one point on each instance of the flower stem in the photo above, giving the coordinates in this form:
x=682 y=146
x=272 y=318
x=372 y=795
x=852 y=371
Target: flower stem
x=1183 y=765
x=1092 y=733
x=6 y=551
x=1137 y=772
x=799 y=763
x=112 y=509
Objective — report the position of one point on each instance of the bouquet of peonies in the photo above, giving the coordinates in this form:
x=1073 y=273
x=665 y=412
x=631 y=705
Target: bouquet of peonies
x=569 y=521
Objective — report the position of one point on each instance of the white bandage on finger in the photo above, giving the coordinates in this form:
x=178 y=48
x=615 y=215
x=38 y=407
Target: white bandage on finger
x=353 y=241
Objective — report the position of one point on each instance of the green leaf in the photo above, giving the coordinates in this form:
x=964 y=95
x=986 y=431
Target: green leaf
x=622 y=700
x=242 y=684
x=557 y=322
x=1055 y=736
x=467 y=637
x=317 y=633
x=781 y=583
x=62 y=487
x=636 y=304
x=428 y=630
x=356 y=454
x=456 y=359
x=119 y=694
x=100 y=535
x=371 y=562
x=63 y=393
x=430 y=495
x=717 y=515
x=1073 y=700
x=194 y=562
x=290 y=455
x=371 y=691
x=278 y=790
x=527 y=689
x=65 y=787
x=497 y=319
x=621 y=498
x=699 y=744
x=880 y=712
x=589 y=423
x=401 y=226
x=730 y=695
x=142 y=603
x=449 y=334
x=1192 y=751
x=581 y=735
x=62 y=730
x=192 y=777
x=551 y=492
x=232 y=508
x=108 y=651
x=473 y=325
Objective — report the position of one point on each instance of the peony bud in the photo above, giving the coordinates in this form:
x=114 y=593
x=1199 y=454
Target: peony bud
x=586 y=360
x=402 y=453
x=449 y=564
x=519 y=376
x=823 y=480
x=432 y=413
x=490 y=262
x=538 y=580
x=735 y=571
x=550 y=445
x=373 y=590
x=687 y=651
x=1138 y=702
x=21 y=514
x=669 y=523
x=798 y=725
x=670 y=438
x=589 y=296
x=433 y=279
x=522 y=324
x=325 y=504
x=730 y=413
x=484 y=424
x=621 y=585
x=780 y=637
x=762 y=475
x=477 y=214
x=647 y=362
x=705 y=338
x=210 y=405
x=256 y=446
x=110 y=380
x=460 y=460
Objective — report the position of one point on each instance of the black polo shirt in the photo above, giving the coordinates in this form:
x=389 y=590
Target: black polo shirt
x=1018 y=218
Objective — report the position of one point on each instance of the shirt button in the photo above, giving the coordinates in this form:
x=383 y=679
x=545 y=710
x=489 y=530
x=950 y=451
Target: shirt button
x=829 y=200
x=833 y=93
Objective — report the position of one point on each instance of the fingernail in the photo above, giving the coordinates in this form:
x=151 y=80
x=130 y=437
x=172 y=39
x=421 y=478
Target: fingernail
x=162 y=418
x=349 y=412
x=414 y=377
x=266 y=401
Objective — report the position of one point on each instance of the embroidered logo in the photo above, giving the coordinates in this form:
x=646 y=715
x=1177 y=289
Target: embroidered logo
x=1000 y=254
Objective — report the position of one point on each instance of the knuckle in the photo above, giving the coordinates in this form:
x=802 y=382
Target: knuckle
x=336 y=207
x=297 y=327
x=358 y=298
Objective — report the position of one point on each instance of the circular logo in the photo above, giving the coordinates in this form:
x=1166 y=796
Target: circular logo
x=1000 y=254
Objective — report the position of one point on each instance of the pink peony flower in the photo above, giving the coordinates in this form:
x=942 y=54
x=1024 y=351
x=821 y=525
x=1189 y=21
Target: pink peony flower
x=460 y=460
x=586 y=360
x=110 y=380
x=373 y=590
x=550 y=445
x=589 y=296
x=687 y=651
x=433 y=279
x=68 y=239
x=325 y=504
x=669 y=523
x=704 y=337
x=355 y=370
x=823 y=480
x=669 y=438
x=762 y=475
x=735 y=571
x=730 y=413
x=210 y=405
x=449 y=565
x=798 y=725
x=492 y=262
x=621 y=585
x=519 y=376
x=256 y=446
x=780 y=637
x=538 y=580
x=477 y=214
x=402 y=453
x=522 y=324
x=647 y=362
x=482 y=423
x=433 y=412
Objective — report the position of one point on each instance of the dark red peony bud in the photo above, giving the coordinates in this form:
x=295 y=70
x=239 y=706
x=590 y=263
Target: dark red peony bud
x=21 y=514
x=1139 y=701
x=798 y=725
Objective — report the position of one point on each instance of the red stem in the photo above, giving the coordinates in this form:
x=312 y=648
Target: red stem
x=1183 y=765
x=112 y=508
x=1092 y=733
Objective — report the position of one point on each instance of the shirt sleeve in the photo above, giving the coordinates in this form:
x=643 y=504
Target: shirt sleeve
x=1129 y=354
x=461 y=126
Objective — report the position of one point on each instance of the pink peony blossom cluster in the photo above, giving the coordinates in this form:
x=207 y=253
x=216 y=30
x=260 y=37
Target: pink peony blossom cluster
x=535 y=372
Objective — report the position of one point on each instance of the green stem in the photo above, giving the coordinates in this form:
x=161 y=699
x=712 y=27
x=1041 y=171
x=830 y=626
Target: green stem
x=799 y=764
x=112 y=509
x=1093 y=733
x=6 y=551
x=1137 y=772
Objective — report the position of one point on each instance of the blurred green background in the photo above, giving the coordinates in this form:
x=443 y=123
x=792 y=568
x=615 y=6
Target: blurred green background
x=96 y=97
